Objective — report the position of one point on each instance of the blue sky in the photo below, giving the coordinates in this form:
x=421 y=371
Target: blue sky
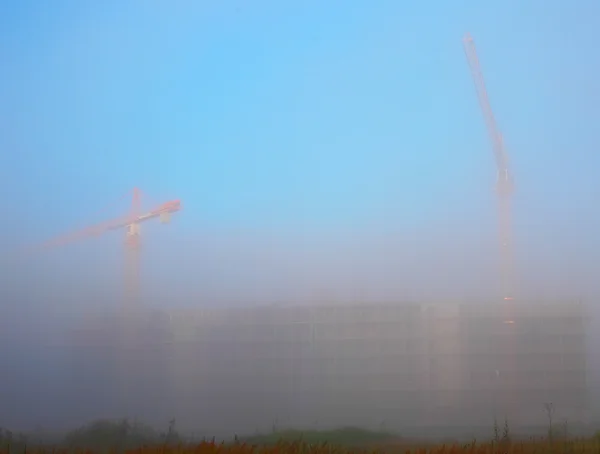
x=293 y=117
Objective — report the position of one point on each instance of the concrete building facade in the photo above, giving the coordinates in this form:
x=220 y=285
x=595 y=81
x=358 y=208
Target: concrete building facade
x=392 y=365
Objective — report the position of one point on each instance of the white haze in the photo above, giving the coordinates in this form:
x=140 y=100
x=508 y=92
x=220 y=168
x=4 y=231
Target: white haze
x=43 y=294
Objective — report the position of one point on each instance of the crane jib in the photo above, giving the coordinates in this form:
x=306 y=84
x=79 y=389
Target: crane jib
x=167 y=208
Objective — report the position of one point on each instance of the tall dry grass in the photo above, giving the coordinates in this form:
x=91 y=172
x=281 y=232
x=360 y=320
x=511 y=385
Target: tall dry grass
x=591 y=446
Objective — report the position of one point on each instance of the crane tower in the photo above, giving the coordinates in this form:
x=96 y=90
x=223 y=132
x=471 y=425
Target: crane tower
x=504 y=183
x=508 y=364
x=126 y=334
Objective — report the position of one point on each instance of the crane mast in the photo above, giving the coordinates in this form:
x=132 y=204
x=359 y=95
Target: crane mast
x=507 y=363
x=127 y=330
x=504 y=183
x=132 y=256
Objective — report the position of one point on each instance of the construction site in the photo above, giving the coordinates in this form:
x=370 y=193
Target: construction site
x=404 y=365
x=418 y=365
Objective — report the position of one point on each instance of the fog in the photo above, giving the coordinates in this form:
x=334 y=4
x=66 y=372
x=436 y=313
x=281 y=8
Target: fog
x=244 y=269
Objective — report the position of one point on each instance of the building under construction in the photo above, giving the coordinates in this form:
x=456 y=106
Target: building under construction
x=403 y=366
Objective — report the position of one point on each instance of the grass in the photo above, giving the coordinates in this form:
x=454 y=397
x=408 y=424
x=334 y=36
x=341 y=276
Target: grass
x=346 y=436
x=123 y=438
x=304 y=447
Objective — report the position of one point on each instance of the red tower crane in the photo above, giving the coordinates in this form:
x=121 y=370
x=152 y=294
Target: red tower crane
x=131 y=223
x=504 y=183
x=507 y=360
x=126 y=332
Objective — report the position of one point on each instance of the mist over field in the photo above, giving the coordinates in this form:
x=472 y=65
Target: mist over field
x=184 y=271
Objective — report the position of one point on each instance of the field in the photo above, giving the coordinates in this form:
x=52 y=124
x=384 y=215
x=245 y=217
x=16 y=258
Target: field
x=107 y=438
x=302 y=447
